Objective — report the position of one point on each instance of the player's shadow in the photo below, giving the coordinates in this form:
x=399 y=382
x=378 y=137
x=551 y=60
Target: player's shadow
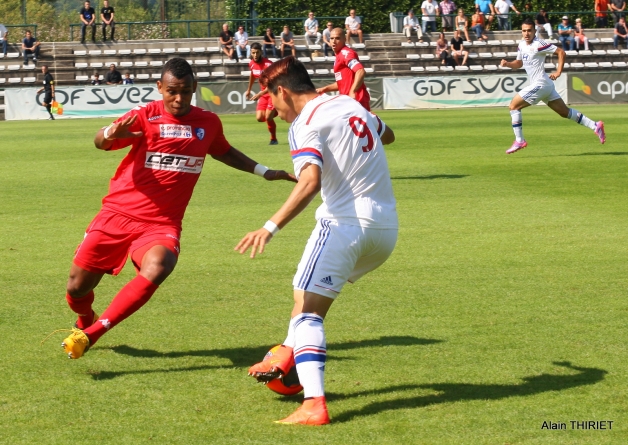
x=242 y=357
x=457 y=392
x=428 y=177
x=605 y=153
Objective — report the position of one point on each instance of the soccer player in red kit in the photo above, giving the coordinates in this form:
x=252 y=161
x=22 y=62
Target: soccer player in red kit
x=265 y=111
x=148 y=195
x=348 y=70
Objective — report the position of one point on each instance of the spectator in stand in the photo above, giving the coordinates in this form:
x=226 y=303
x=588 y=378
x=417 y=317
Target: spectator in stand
x=226 y=41
x=462 y=24
x=618 y=7
x=113 y=77
x=441 y=49
x=601 y=13
x=241 y=38
x=95 y=78
x=30 y=45
x=487 y=8
x=3 y=38
x=327 y=37
x=411 y=23
x=106 y=15
x=127 y=79
x=457 y=49
x=621 y=33
x=430 y=10
x=311 y=30
x=88 y=18
x=503 y=7
x=287 y=41
x=579 y=36
x=447 y=8
x=269 y=42
x=477 y=24
x=353 y=26
x=542 y=22
x=565 y=32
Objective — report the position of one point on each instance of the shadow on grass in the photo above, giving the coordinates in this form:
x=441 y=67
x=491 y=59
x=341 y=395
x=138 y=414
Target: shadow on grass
x=430 y=177
x=456 y=392
x=243 y=356
x=605 y=153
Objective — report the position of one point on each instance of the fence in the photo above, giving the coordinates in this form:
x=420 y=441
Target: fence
x=172 y=29
x=514 y=19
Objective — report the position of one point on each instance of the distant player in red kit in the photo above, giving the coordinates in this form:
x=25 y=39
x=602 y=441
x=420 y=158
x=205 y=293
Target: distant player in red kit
x=148 y=195
x=348 y=70
x=265 y=111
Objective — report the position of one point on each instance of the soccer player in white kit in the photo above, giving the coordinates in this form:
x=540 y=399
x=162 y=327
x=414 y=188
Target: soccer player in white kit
x=337 y=148
x=531 y=56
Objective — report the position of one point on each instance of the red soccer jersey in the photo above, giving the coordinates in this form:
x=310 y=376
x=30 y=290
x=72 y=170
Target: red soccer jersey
x=345 y=66
x=155 y=181
x=257 y=68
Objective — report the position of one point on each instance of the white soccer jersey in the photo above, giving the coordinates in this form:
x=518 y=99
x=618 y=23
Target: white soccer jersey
x=533 y=56
x=341 y=137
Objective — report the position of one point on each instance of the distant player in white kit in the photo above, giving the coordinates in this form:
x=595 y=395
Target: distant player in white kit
x=337 y=149
x=531 y=56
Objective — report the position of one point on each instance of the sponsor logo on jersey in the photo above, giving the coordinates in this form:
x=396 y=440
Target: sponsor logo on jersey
x=173 y=162
x=175 y=131
x=154 y=118
x=345 y=52
x=338 y=76
x=257 y=73
x=200 y=133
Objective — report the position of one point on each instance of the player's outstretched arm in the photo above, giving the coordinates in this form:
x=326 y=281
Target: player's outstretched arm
x=328 y=88
x=515 y=64
x=559 y=66
x=260 y=94
x=306 y=189
x=234 y=158
x=121 y=130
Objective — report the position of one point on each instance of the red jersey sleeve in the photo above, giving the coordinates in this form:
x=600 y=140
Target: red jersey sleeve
x=219 y=145
x=352 y=62
x=138 y=125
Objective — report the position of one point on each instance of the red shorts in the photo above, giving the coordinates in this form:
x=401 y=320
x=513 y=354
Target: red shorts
x=111 y=237
x=265 y=103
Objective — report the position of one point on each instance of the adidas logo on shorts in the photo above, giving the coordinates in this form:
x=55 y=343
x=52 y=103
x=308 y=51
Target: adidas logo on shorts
x=327 y=281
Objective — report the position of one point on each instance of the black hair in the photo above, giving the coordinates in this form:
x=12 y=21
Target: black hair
x=289 y=73
x=256 y=45
x=528 y=21
x=178 y=67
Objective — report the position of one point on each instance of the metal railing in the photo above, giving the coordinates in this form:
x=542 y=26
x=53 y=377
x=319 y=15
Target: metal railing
x=588 y=17
x=169 y=29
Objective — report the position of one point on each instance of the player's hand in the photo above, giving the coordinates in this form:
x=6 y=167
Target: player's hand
x=248 y=95
x=351 y=94
x=256 y=240
x=121 y=129
x=278 y=175
x=321 y=90
x=555 y=75
x=255 y=96
x=503 y=62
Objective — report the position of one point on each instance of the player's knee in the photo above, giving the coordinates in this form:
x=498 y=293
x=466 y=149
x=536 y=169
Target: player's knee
x=261 y=118
x=157 y=269
x=77 y=288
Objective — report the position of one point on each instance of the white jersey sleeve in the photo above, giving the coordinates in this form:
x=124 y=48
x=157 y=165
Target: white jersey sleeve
x=305 y=148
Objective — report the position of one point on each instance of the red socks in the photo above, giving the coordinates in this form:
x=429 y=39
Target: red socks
x=272 y=128
x=131 y=297
x=83 y=308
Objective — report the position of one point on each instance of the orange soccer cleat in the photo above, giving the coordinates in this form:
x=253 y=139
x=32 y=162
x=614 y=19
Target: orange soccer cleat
x=276 y=363
x=312 y=412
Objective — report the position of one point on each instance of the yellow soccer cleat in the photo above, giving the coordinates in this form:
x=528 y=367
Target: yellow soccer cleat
x=312 y=412
x=76 y=344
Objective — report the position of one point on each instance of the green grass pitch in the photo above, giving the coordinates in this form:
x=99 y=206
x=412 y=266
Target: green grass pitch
x=503 y=306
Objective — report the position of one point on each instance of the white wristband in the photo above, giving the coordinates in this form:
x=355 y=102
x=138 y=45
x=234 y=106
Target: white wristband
x=260 y=170
x=106 y=133
x=271 y=227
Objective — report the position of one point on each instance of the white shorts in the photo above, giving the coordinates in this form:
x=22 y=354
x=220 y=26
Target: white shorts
x=337 y=253
x=545 y=92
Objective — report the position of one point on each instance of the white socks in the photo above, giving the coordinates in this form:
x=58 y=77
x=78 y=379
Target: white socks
x=517 y=124
x=289 y=341
x=581 y=119
x=310 y=353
